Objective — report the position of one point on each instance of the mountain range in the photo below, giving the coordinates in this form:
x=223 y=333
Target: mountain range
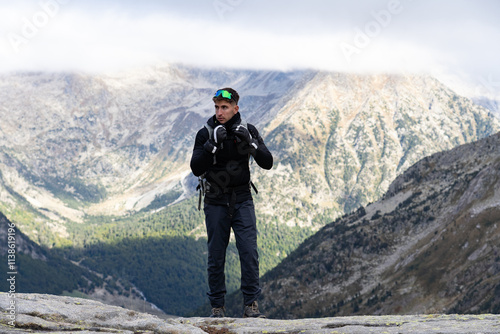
x=429 y=245
x=92 y=165
x=75 y=145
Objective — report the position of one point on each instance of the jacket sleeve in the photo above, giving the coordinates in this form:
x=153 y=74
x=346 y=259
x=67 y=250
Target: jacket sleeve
x=262 y=156
x=201 y=160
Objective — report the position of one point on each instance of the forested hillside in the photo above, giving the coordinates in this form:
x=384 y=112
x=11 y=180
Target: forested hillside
x=167 y=261
x=37 y=269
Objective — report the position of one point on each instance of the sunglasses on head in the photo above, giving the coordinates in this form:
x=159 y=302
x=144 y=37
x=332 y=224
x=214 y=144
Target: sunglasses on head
x=224 y=93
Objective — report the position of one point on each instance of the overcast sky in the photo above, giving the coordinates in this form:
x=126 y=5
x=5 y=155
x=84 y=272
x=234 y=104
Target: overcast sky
x=456 y=37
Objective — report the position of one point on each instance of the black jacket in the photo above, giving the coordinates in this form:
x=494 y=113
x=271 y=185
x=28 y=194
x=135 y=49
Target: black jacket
x=231 y=169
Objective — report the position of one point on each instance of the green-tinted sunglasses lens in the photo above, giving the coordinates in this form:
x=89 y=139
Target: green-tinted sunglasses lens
x=225 y=94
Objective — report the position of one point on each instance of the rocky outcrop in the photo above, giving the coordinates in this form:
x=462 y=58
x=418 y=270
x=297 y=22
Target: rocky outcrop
x=38 y=313
x=41 y=313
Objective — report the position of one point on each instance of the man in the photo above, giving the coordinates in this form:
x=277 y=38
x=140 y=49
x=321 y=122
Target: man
x=221 y=154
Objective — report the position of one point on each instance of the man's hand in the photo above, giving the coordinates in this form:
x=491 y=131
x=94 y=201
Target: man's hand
x=220 y=134
x=244 y=135
x=211 y=146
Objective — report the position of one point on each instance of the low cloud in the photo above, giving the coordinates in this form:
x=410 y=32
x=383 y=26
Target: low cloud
x=387 y=36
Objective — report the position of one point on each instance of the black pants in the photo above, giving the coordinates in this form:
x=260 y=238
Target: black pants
x=219 y=224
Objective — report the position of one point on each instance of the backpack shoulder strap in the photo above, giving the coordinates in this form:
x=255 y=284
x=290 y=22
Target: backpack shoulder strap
x=250 y=158
x=210 y=130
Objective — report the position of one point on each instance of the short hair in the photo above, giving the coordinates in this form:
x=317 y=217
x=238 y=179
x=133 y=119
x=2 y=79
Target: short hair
x=235 y=97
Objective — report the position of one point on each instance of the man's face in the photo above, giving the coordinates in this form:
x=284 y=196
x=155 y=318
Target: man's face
x=225 y=110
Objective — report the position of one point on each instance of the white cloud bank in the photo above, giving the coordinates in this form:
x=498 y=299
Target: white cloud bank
x=457 y=37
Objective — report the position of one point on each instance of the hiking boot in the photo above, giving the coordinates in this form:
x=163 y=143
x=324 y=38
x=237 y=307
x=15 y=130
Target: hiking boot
x=218 y=312
x=252 y=311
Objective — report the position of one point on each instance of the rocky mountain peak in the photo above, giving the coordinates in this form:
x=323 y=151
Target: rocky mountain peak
x=429 y=245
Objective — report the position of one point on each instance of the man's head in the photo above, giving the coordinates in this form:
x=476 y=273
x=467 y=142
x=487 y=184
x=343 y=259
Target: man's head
x=226 y=104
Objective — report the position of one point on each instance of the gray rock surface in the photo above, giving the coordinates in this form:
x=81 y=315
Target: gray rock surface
x=39 y=313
